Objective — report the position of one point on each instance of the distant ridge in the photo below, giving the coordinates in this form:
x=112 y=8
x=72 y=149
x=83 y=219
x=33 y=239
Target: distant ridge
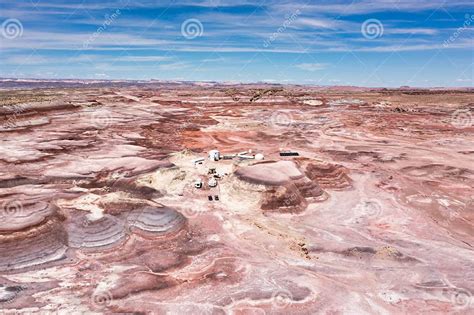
x=32 y=83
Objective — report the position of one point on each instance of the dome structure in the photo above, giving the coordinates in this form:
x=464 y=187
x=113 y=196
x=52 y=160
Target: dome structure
x=214 y=155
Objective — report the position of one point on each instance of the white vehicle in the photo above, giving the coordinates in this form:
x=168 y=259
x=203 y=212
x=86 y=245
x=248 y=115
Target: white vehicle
x=198 y=183
x=198 y=161
x=212 y=182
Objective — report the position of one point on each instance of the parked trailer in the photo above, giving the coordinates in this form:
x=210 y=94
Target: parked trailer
x=289 y=154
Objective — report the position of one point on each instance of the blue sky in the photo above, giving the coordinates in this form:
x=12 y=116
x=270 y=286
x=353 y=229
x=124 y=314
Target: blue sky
x=365 y=43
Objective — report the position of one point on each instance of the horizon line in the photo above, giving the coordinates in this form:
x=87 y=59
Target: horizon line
x=220 y=82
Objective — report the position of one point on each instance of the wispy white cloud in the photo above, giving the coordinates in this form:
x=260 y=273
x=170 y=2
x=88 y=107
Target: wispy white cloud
x=317 y=23
x=76 y=41
x=343 y=8
x=408 y=47
x=147 y=35
x=174 y=66
x=311 y=66
x=143 y=58
x=101 y=75
x=417 y=31
x=23 y=59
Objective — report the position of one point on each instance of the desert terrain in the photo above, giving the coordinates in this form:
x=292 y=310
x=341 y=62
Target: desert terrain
x=100 y=212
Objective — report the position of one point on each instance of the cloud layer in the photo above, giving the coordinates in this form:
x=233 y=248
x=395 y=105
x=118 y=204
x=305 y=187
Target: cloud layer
x=296 y=41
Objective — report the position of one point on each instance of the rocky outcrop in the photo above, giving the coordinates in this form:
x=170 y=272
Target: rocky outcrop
x=88 y=233
x=330 y=176
x=156 y=221
x=31 y=234
x=284 y=187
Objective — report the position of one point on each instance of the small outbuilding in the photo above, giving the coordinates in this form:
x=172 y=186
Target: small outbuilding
x=198 y=161
x=259 y=157
x=214 y=155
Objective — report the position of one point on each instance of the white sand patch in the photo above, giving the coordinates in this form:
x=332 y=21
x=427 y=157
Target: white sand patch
x=313 y=102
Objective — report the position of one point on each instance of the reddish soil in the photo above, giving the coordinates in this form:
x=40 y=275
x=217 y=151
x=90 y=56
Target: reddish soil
x=99 y=211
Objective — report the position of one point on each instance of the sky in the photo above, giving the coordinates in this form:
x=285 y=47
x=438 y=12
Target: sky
x=388 y=43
